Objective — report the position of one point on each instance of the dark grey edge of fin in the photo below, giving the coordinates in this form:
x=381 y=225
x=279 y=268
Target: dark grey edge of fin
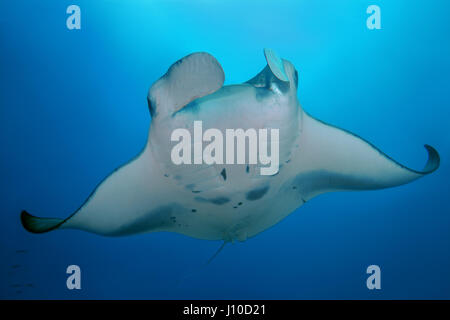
x=39 y=225
x=434 y=160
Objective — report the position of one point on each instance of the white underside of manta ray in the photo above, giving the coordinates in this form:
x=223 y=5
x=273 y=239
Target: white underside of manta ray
x=229 y=202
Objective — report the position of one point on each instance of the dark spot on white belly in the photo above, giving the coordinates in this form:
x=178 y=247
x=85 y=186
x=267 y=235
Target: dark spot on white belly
x=224 y=174
x=218 y=200
x=256 y=194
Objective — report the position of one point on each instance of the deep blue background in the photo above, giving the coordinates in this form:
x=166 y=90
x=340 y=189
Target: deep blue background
x=73 y=108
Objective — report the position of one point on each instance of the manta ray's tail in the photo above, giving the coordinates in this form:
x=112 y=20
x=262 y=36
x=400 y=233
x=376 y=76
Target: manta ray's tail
x=39 y=225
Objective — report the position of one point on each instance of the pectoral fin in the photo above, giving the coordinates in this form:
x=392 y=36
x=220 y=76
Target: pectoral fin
x=39 y=225
x=333 y=159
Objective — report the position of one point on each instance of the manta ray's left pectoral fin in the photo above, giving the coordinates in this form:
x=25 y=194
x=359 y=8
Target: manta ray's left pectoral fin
x=39 y=225
x=337 y=160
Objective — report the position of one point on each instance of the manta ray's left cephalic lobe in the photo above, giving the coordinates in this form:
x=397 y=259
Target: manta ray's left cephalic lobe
x=223 y=201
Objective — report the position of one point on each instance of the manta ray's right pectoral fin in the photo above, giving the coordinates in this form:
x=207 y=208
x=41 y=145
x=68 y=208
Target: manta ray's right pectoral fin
x=338 y=160
x=191 y=77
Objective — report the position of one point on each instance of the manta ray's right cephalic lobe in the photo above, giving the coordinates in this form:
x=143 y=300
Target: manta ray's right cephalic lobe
x=229 y=201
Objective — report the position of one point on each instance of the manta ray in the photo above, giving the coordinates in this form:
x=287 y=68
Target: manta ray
x=229 y=201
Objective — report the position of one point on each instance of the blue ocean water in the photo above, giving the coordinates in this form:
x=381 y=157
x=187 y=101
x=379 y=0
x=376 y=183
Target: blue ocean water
x=73 y=108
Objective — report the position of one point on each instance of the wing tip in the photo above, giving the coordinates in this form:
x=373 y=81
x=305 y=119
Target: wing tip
x=38 y=225
x=433 y=161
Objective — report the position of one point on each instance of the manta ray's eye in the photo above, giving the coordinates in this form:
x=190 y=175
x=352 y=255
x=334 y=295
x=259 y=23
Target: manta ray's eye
x=296 y=78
